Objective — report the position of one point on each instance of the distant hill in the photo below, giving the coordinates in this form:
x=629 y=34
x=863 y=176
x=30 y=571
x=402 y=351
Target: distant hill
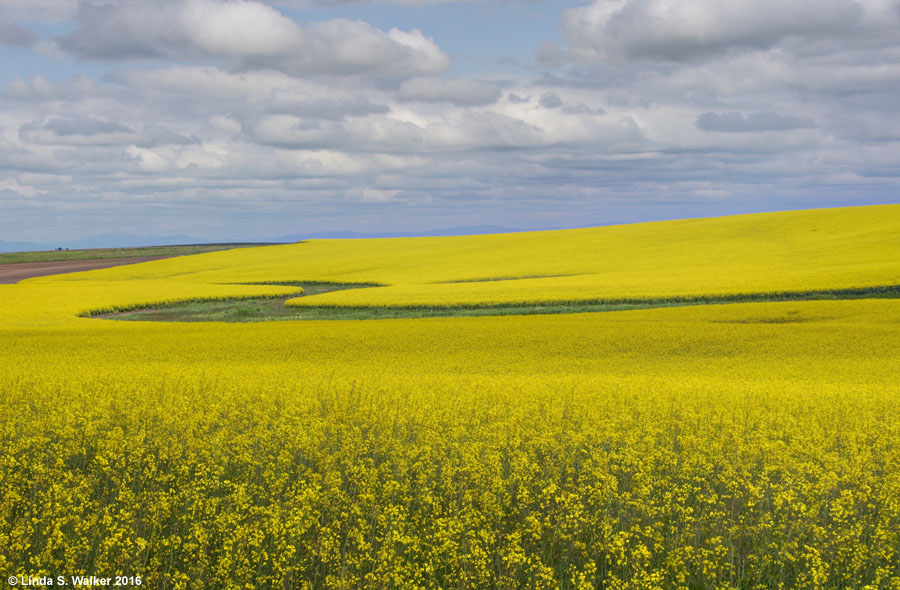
x=468 y=230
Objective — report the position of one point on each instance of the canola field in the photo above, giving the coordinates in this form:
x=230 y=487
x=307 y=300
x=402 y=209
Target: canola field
x=745 y=445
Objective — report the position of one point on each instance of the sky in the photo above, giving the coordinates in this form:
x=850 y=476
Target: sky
x=232 y=120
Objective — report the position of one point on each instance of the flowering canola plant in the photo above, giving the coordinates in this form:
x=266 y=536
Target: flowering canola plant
x=749 y=445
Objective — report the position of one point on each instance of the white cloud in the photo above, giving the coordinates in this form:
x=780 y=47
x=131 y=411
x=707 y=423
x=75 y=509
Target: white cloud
x=249 y=34
x=13 y=185
x=343 y=47
x=488 y=130
x=141 y=28
x=207 y=156
x=238 y=28
x=372 y=195
x=148 y=160
x=664 y=30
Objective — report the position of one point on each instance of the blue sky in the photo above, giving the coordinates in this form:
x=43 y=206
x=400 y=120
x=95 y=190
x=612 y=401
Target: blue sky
x=251 y=119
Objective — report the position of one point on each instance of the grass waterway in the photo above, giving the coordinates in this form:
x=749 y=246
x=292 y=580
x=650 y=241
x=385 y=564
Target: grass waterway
x=261 y=309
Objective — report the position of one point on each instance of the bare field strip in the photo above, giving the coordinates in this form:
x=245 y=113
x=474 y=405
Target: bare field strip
x=125 y=252
x=17 y=271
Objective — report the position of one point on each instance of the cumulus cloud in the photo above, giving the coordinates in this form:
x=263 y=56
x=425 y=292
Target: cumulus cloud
x=734 y=122
x=169 y=29
x=250 y=34
x=458 y=91
x=344 y=47
x=609 y=30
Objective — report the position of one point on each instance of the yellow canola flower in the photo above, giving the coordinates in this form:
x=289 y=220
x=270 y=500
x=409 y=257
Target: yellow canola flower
x=719 y=446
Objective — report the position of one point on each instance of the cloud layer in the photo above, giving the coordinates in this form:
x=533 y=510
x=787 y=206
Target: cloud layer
x=228 y=119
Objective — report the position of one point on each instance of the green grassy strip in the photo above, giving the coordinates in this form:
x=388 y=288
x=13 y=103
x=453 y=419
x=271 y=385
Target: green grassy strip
x=884 y=291
x=104 y=253
x=316 y=287
x=251 y=307
x=122 y=311
x=272 y=308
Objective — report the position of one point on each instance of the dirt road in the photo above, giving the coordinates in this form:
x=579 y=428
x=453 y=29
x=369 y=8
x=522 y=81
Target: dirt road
x=15 y=272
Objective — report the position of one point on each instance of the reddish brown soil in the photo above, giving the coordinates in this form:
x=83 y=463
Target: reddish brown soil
x=15 y=272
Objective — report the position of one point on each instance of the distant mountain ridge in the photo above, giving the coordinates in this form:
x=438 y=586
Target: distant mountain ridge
x=103 y=241
x=468 y=230
x=130 y=241
x=20 y=246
